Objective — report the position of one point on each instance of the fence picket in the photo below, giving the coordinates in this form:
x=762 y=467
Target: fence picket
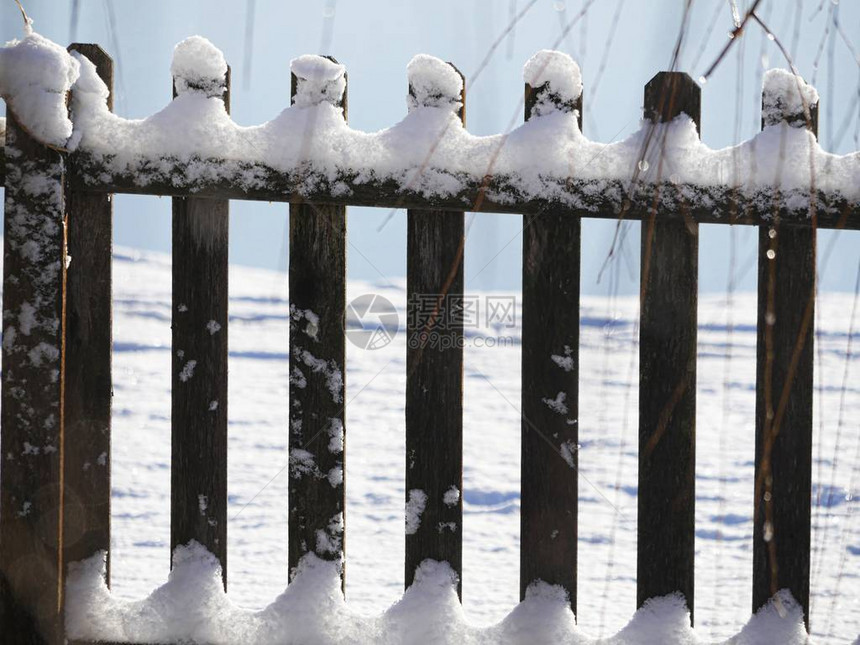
x=667 y=375
x=784 y=392
x=198 y=498
x=434 y=387
x=88 y=382
x=31 y=419
x=550 y=393
x=317 y=291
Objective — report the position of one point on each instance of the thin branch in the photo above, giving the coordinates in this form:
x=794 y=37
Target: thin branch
x=736 y=33
x=27 y=21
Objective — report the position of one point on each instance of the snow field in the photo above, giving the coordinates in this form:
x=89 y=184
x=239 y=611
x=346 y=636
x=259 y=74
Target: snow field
x=375 y=459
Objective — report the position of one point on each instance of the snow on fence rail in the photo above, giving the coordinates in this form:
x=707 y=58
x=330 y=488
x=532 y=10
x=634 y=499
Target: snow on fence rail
x=56 y=387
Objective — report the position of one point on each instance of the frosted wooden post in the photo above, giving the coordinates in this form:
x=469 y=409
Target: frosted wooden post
x=784 y=378
x=550 y=367
x=31 y=422
x=667 y=375
x=434 y=354
x=87 y=397
x=317 y=346
x=198 y=474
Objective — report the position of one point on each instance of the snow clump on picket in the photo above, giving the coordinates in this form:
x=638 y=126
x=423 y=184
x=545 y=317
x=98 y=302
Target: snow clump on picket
x=198 y=66
x=35 y=76
x=786 y=97
x=557 y=79
x=318 y=80
x=433 y=83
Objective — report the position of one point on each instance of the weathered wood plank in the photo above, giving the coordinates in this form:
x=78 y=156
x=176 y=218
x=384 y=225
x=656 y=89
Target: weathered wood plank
x=434 y=385
x=198 y=499
x=667 y=376
x=317 y=290
x=87 y=399
x=434 y=390
x=31 y=436
x=550 y=394
x=784 y=393
x=598 y=199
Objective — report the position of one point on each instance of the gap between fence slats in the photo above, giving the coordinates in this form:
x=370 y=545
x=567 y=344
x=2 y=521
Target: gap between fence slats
x=667 y=372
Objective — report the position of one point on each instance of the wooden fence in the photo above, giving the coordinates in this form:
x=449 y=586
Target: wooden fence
x=56 y=381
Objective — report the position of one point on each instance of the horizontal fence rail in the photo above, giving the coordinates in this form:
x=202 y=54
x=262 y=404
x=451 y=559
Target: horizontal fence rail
x=56 y=380
x=607 y=199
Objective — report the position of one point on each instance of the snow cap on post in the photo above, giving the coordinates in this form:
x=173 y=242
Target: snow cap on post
x=787 y=97
x=199 y=67
x=555 y=83
x=318 y=79
x=35 y=77
x=433 y=83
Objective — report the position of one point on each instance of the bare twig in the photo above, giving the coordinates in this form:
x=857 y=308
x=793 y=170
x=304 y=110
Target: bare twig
x=27 y=21
x=736 y=33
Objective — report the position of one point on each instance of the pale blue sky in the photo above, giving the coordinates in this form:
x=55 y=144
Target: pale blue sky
x=376 y=39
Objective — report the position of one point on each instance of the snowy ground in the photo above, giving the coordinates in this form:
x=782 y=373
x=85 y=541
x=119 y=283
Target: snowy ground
x=375 y=463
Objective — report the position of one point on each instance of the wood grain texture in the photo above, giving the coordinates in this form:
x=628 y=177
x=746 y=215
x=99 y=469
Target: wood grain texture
x=550 y=393
x=317 y=290
x=435 y=243
x=667 y=378
x=784 y=393
x=198 y=498
x=31 y=422
x=87 y=466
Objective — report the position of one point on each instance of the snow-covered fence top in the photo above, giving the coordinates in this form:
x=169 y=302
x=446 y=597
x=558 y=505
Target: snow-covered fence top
x=308 y=152
x=61 y=164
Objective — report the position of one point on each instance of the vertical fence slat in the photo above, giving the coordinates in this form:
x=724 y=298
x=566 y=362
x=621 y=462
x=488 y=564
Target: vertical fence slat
x=198 y=498
x=667 y=375
x=550 y=393
x=87 y=398
x=784 y=394
x=434 y=387
x=317 y=291
x=31 y=437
